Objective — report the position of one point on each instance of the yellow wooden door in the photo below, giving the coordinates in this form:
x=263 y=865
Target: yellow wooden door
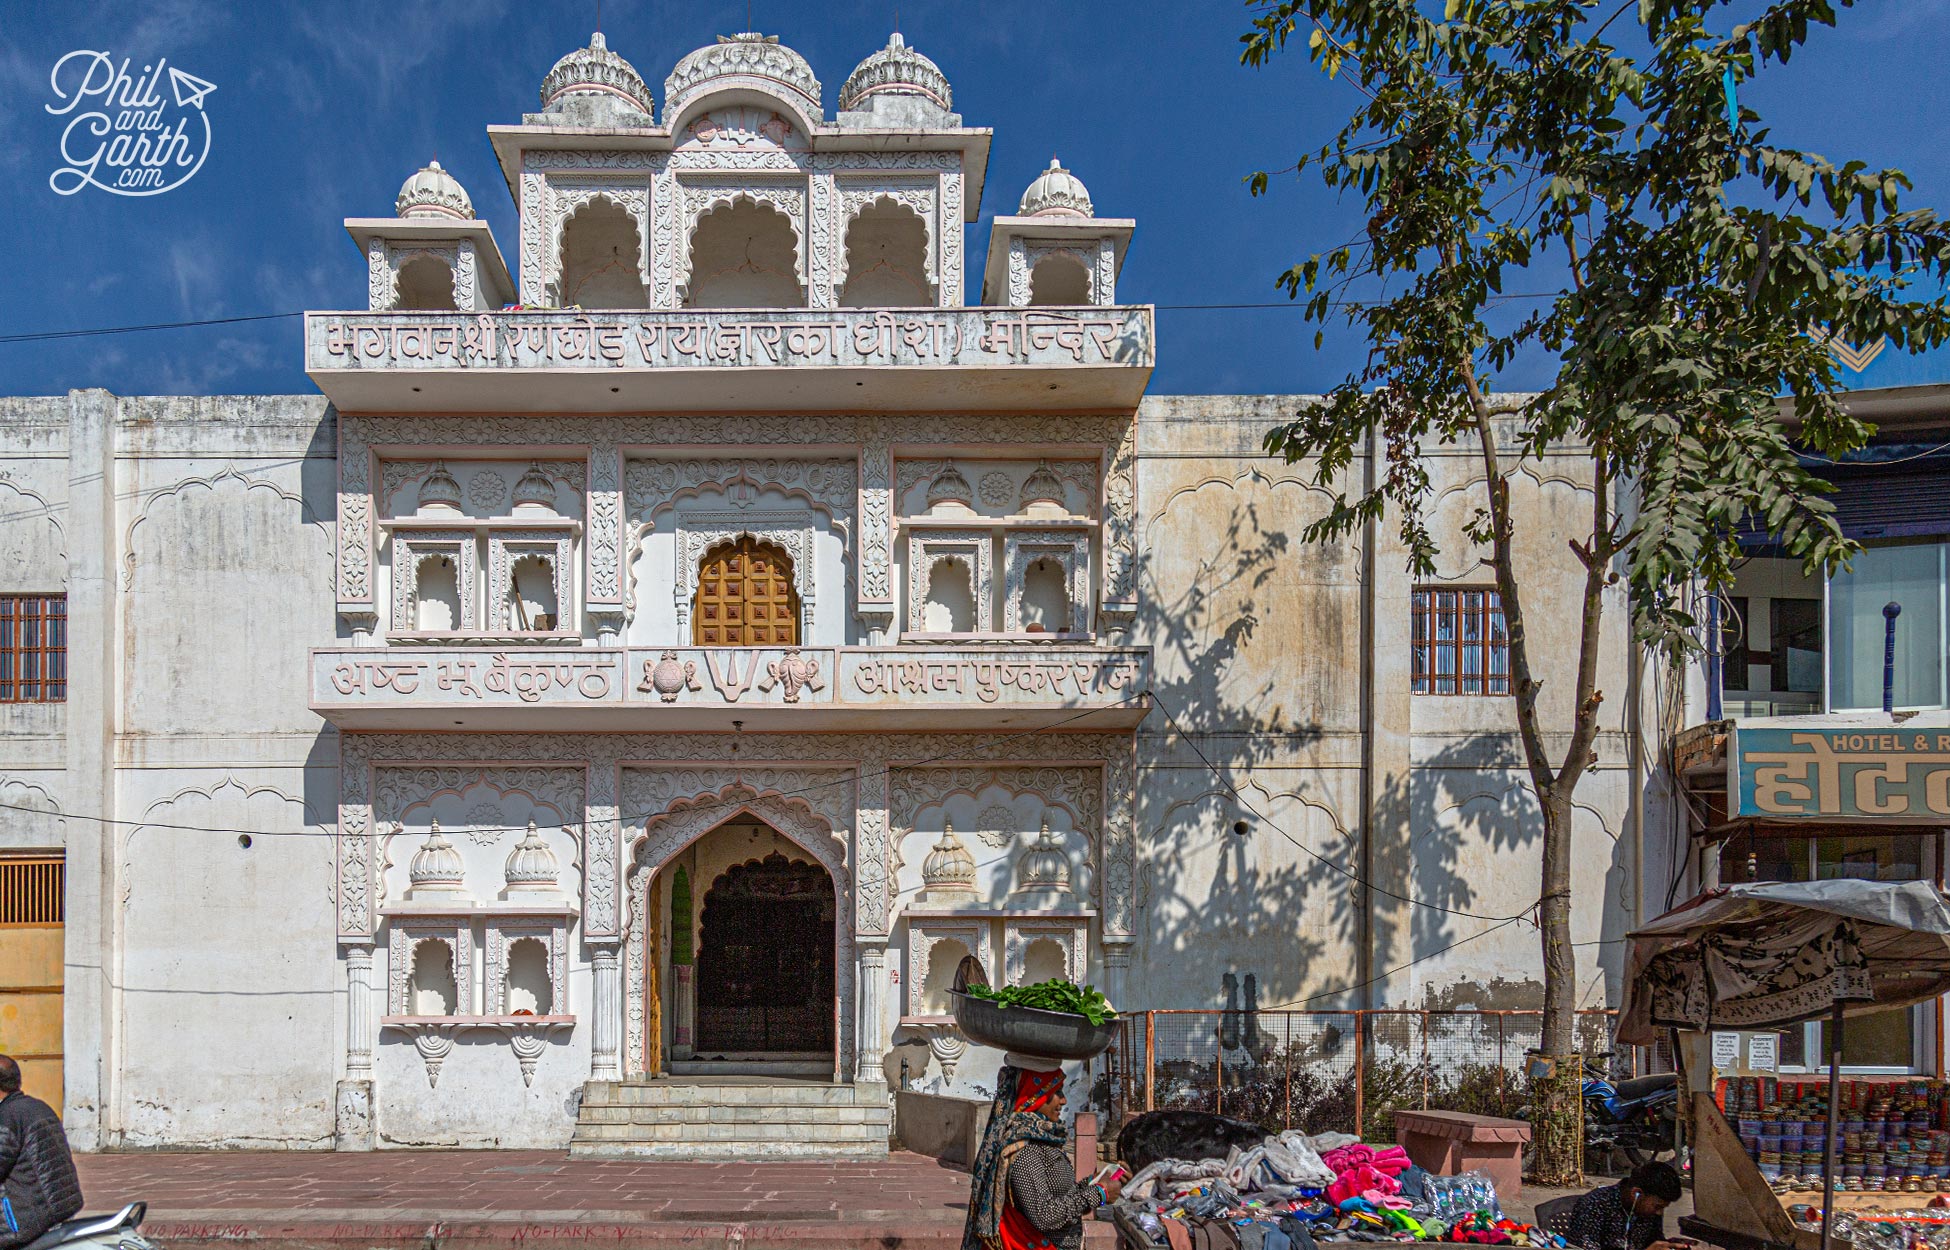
x=30 y=971
x=745 y=598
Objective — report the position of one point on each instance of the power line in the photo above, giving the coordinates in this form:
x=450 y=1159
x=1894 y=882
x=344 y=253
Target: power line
x=1349 y=873
x=582 y=826
x=43 y=336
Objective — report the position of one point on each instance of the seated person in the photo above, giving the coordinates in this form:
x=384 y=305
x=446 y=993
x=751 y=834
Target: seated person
x=1630 y=1215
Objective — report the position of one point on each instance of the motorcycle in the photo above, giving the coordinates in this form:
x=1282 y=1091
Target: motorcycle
x=98 y=1232
x=1637 y=1117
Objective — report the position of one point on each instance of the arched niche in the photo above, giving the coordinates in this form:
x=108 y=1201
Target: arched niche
x=950 y=604
x=887 y=258
x=431 y=987
x=436 y=593
x=1045 y=596
x=601 y=258
x=744 y=255
x=426 y=284
x=1059 y=279
x=529 y=989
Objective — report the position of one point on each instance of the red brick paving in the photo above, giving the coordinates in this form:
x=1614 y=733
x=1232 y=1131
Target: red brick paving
x=425 y=1200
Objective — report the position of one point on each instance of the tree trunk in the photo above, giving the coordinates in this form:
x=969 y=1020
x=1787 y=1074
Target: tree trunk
x=1558 y=1124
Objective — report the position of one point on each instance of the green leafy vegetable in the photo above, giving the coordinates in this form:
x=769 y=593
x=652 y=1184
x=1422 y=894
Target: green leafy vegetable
x=1064 y=996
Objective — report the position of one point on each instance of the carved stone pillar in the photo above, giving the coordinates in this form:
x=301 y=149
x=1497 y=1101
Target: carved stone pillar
x=353 y=1128
x=605 y=1015
x=872 y=1033
x=875 y=581
x=604 y=535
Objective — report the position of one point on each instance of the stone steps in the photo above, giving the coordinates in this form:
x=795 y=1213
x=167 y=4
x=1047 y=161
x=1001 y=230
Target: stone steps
x=731 y=1120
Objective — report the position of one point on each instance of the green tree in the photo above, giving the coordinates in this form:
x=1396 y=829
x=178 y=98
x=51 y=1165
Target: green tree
x=1686 y=270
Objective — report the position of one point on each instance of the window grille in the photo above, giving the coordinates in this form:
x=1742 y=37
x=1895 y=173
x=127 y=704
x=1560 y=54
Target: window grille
x=1460 y=645
x=33 y=648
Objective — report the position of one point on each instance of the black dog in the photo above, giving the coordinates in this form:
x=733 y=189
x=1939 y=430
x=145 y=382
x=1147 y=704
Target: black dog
x=1188 y=1135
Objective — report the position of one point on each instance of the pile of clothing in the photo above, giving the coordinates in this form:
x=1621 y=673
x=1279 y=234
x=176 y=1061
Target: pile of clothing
x=1294 y=1191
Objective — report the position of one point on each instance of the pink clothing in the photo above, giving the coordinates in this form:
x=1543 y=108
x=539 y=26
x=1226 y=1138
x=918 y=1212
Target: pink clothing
x=1393 y=1160
x=1361 y=1181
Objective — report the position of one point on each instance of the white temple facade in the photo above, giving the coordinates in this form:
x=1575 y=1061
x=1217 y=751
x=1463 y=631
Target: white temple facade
x=665 y=651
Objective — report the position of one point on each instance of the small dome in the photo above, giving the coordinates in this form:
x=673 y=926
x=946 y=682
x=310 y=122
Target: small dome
x=1056 y=193
x=439 y=489
x=595 y=74
x=436 y=866
x=1043 y=868
x=534 y=489
x=896 y=69
x=949 y=486
x=1043 y=486
x=531 y=867
x=750 y=60
x=948 y=866
x=433 y=192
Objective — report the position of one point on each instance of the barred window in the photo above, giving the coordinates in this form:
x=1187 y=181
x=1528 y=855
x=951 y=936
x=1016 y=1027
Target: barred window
x=31 y=890
x=1460 y=645
x=33 y=648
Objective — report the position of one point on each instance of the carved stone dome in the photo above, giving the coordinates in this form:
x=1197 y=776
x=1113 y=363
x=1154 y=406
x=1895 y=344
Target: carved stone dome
x=1042 y=487
x=531 y=867
x=949 y=486
x=439 y=489
x=896 y=70
x=1043 y=868
x=751 y=61
x=949 y=868
x=534 y=490
x=436 y=867
x=433 y=192
x=598 y=76
x=1056 y=193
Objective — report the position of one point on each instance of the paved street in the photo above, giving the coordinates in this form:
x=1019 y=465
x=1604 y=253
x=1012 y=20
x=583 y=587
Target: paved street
x=427 y=1199
x=448 y=1198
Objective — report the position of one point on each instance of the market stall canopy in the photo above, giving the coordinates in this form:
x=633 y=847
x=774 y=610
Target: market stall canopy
x=1765 y=955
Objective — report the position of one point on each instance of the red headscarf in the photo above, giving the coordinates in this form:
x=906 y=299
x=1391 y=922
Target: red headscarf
x=1034 y=1089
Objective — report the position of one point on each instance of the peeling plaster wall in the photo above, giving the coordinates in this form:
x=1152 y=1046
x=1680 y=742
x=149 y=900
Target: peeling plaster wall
x=206 y=1006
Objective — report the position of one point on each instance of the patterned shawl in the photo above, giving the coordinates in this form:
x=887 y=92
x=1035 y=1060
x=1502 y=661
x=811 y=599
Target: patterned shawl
x=1013 y=1121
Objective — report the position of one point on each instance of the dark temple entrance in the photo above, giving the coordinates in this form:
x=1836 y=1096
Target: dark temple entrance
x=765 y=961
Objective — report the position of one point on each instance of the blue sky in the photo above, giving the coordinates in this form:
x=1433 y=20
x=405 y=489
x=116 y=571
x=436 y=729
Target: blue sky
x=321 y=110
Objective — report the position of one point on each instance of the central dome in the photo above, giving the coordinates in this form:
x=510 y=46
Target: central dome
x=898 y=69
x=750 y=62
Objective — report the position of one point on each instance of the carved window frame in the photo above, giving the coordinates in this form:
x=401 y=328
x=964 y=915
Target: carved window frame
x=405 y=934
x=922 y=934
x=1072 y=935
x=505 y=547
x=1023 y=547
x=976 y=547
x=1083 y=252
x=417 y=544
x=791 y=530
x=501 y=934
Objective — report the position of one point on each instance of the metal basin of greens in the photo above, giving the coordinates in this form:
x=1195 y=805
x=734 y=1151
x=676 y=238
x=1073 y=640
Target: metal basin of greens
x=1030 y=1030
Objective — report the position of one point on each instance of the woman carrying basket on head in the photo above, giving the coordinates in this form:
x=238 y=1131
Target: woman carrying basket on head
x=1025 y=1194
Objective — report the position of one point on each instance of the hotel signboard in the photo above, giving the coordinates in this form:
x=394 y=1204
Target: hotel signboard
x=1899 y=773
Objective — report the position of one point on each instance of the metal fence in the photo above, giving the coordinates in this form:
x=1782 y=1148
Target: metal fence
x=1336 y=1070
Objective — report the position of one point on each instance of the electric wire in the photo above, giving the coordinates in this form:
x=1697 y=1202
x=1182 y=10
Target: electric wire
x=621 y=818
x=1349 y=873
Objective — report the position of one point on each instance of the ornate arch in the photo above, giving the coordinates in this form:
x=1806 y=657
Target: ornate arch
x=689 y=818
x=229 y=472
x=567 y=199
x=919 y=196
x=700 y=200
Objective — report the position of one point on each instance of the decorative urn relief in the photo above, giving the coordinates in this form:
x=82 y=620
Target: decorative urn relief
x=793 y=672
x=531 y=866
x=439 y=491
x=949 y=870
x=950 y=493
x=1042 y=492
x=1043 y=871
x=534 y=492
x=437 y=869
x=670 y=677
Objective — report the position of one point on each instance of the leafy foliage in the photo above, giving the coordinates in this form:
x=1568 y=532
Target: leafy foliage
x=1692 y=272
x=1064 y=996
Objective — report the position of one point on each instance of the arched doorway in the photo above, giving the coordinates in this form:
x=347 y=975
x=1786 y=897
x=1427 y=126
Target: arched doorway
x=765 y=962
x=745 y=597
